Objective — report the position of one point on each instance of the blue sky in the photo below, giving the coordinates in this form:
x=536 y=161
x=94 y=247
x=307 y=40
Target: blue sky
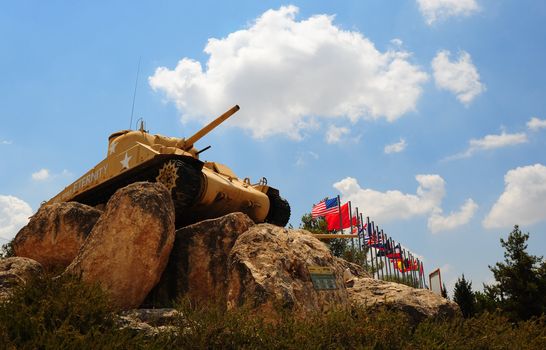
x=428 y=114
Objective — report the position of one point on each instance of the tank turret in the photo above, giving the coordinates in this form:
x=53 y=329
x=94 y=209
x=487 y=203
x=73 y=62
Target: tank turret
x=200 y=190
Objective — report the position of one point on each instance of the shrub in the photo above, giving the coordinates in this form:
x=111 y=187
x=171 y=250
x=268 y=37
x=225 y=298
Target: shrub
x=59 y=313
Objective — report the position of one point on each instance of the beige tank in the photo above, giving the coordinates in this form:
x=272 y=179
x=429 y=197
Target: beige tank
x=200 y=190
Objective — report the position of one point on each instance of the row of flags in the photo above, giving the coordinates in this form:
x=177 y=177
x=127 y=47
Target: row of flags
x=387 y=257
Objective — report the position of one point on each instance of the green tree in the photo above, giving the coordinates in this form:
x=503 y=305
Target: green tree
x=520 y=288
x=314 y=225
x=463 y=295
x=485 y=301
x=339 y=246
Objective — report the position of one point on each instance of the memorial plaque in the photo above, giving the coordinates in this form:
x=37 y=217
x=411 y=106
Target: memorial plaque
x=323 y=277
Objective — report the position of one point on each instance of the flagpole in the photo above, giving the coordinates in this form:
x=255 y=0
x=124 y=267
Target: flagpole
x=340 y=215
x=413 y=280
x=388 y=251
x=351 y=226
x=364 y=242
x=369 y=229
x=410 y=270
x=378 y=249
x=418 y=264
x=396 y=272
x=413 y=262
x=404 y=265
x=423 y=274
x=358 y=226
x=376 y=241
x=385 y=267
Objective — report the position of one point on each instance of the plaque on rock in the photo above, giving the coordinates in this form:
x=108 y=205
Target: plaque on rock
x=323 y=277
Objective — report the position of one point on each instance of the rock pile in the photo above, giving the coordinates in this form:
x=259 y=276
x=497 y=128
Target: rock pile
x=55 y=233
x=16 y=271
x=133 y=251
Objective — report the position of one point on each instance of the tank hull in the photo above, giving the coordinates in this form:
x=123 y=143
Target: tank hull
x=200 y=190
x=198 y=193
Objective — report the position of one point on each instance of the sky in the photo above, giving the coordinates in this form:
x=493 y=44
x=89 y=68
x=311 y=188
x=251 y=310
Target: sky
x=428 y=115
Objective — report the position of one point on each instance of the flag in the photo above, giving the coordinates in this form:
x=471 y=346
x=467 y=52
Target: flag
x=333 y=220
x=405 y=265
x=357 y=229
x=395 y=253
x=384 y=249
x=327 y=206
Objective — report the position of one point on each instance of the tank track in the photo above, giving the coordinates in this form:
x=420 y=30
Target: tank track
x=186 y=183
x=279 y=209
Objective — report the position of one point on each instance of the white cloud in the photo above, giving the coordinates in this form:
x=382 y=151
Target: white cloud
x=460 y=77
x=395 y=205
x=392 y=205
x=41 y=175
x=437 y=10
x=437 y=222
x=303 y=158
x=335 y=134
x=6 y=142
x=523 y=201
x=287 y=74
x=490 y=142
x=397 y=42
x=396 y=147
x=14 y=214
x=536 y=124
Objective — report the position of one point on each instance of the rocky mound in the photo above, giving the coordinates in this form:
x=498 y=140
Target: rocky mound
x=55 y=233
x=132 y=250
x=129 y=246
x=15 y=271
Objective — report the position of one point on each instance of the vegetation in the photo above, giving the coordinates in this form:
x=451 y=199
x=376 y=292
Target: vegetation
x=339 y=247
x=520 y=281
x=59 y=313
x=519 y=291
x=64 y=313
x=6 y=250
x=463 y=295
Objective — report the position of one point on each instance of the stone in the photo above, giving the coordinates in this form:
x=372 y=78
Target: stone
x=130 y=244
x=198 y=265
x=15 y=271
x=149 y=322
x=55 y=233
x=418 y=304
x=268 y=272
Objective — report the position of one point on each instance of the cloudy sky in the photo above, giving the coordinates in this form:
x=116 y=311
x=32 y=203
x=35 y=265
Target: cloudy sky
x=428 y=115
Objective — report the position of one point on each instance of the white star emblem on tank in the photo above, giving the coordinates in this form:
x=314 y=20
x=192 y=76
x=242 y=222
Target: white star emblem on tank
x=113 y=147
x=125 y=161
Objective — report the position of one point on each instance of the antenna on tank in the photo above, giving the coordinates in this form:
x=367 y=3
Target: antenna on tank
x=134 y=93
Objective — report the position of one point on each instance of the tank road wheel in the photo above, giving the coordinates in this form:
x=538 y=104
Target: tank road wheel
x=279 y=209
x=168 y=175
x=184 y=181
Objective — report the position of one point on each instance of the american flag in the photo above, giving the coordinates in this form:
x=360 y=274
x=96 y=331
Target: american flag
x=327 y=206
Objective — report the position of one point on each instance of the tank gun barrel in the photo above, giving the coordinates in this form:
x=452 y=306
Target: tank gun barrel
x=198 y=135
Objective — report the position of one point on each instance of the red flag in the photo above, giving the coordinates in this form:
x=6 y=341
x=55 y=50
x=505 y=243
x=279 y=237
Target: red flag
x=333 y=219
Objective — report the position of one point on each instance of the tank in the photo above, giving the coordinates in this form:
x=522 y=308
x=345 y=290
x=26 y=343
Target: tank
x=200 y=189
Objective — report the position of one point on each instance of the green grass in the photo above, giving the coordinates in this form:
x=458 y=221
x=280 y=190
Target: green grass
x=65 y=313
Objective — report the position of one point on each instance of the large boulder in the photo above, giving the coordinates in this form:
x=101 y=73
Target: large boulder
x=198 y=265
x=16 y=271
x=269 y=271
x=418 y=304
x=55 y=233
x=129 y=246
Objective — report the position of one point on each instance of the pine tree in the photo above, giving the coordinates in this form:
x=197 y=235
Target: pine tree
x=520 y=280
x=463 y=295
